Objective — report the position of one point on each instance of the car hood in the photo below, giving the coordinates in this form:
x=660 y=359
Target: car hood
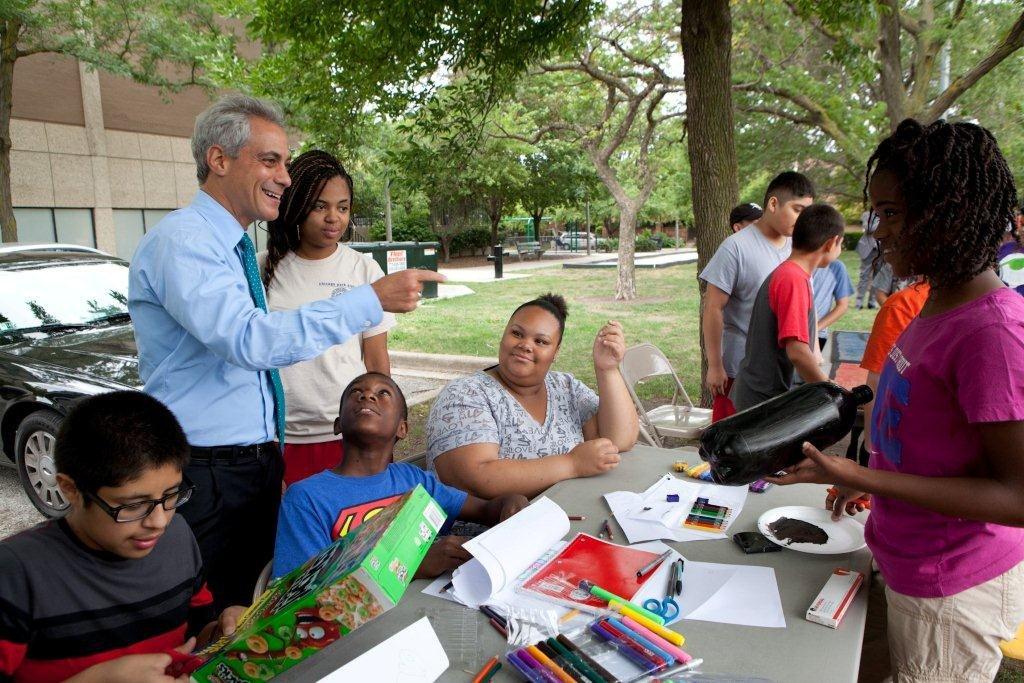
x=108 y=353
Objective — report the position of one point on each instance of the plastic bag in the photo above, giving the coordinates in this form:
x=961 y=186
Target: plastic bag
x=527 y=626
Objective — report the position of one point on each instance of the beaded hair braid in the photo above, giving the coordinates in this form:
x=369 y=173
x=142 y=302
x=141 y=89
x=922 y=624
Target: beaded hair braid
x=309 y=172
x=959 y=192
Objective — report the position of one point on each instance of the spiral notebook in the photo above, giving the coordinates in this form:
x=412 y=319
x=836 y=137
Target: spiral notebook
x=611 y=566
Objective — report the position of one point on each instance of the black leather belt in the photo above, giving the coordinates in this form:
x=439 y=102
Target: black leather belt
x=235 y=453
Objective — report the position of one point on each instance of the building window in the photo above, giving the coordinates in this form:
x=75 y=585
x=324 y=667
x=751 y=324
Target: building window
x=129 y=227
x=131 y=224
x=68 y=226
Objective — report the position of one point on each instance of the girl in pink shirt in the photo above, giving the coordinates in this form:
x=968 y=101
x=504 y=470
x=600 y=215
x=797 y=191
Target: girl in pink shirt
x=946 y=473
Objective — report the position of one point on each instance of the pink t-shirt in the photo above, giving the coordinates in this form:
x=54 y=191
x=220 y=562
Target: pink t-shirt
x=946 y=374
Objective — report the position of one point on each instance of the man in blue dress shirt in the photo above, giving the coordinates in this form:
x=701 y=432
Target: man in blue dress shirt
x=208 y=348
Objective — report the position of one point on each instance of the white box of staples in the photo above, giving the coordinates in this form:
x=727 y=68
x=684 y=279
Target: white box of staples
x=833 y=600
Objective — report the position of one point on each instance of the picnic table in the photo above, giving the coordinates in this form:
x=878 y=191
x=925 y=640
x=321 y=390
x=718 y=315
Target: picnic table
x=803 y=651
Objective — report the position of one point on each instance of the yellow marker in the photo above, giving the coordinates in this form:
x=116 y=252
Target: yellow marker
x=546 y=661
x=668 y=634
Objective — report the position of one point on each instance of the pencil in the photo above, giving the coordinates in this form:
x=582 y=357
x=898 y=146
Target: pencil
x=608 y=530
x=484 y=671
x=577 y=518
x=498 y=627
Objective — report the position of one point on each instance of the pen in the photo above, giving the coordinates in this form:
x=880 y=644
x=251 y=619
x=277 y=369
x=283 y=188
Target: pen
x=678 y=566
x=652 y=564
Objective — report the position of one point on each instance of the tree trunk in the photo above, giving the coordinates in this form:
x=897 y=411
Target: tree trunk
x=706 y=35
x=537 y=214
x=625 y=287
x=891 y=62
x=8 y=54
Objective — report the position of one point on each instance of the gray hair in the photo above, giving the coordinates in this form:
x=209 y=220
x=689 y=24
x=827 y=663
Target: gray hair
x=226 y=124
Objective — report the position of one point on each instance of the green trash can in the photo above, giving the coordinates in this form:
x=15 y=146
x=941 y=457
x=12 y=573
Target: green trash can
x=395 y=256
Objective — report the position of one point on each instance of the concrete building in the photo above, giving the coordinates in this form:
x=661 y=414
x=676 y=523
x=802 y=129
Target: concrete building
x=97 y=159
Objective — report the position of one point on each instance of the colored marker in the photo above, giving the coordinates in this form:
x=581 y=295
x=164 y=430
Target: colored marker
x=561 y=661
x=539 y=669
x=552 y=667
x=627 y=651
x=575 y=649
x=668 y=634
x=650 y=655
x=677 y=653
x=638 y=638
x=525 y=669
x=484 y=671
x=580 y=665
x=652 y=564
x=609 y=597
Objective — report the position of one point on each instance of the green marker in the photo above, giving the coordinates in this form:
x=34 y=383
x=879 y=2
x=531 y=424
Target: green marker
x=599 y=592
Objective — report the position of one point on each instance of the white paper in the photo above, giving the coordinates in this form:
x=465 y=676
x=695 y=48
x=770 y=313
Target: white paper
x=725 y=593
x=664 y=519
x=503 y=552
x=436 y=588
x=413 y=655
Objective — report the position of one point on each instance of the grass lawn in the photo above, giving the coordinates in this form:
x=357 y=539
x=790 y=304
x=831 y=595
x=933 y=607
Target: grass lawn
x=665 y=313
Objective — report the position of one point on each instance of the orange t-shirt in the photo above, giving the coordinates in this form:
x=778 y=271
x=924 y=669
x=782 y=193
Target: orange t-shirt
x=894 y=316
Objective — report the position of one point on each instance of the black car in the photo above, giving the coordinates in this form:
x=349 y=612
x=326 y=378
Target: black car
x=64 y=334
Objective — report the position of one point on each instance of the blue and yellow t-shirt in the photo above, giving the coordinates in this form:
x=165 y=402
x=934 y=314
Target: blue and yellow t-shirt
x=317 y=511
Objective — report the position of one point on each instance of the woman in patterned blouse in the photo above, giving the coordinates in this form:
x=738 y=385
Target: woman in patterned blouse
x=518 y=427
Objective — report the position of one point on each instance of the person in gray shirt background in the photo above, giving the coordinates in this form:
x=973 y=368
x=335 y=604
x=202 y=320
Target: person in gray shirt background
x=734 y=275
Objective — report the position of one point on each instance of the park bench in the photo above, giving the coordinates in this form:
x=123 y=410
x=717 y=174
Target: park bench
x=529 y=249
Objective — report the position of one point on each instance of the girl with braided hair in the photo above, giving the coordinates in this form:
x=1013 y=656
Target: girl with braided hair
x=946 y=473
x=305 y=262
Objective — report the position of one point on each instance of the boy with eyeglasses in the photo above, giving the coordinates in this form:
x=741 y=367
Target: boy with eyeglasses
x=111 y=590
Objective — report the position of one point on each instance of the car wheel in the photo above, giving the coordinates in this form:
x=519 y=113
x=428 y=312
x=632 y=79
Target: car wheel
x=34 y=446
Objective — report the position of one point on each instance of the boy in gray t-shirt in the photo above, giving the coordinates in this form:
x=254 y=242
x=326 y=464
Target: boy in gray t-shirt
x=734 y=276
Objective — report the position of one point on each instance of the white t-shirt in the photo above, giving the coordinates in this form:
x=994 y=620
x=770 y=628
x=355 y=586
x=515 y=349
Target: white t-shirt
x=313 y=387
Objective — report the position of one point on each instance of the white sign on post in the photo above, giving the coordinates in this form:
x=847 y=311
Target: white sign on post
x=396 y=261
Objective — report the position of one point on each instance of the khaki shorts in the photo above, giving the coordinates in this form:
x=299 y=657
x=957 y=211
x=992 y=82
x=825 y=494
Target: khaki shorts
x=955 y=638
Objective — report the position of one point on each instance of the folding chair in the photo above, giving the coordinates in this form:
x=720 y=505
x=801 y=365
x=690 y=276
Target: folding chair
x=681 y=420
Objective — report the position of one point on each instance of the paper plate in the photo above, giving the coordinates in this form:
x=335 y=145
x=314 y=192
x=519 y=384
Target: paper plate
x=844 y=536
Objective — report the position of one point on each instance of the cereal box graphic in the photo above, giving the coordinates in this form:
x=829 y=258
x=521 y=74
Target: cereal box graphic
x=356 y=579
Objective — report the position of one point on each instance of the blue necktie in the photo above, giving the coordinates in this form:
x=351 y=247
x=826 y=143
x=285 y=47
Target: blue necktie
x=252 y=275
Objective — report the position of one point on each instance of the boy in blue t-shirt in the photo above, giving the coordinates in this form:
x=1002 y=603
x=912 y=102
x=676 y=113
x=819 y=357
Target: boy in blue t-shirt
x=321 y=509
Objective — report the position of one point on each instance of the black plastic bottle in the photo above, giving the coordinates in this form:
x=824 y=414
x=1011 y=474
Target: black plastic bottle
x=768 y=437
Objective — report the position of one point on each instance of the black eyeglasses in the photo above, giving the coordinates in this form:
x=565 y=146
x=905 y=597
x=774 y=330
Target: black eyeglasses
x=133 y=512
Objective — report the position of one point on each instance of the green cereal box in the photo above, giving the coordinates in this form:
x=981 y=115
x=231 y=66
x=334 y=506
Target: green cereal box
x=359 y=577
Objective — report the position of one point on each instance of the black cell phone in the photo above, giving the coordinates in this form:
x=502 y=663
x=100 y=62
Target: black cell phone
x=754 y=542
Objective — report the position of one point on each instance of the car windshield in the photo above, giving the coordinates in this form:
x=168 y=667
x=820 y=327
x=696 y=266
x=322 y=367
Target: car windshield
x=59 y=295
